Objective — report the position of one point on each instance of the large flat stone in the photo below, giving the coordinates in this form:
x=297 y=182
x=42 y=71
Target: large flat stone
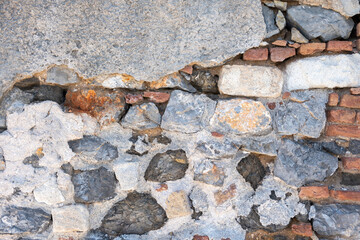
x=336 y=71
x=250 y=81
x=347 y=8
x=73 y=218
x=240 y=116
x=299 y=164
x=337 y=220
x=146 y=39
x=316 y=22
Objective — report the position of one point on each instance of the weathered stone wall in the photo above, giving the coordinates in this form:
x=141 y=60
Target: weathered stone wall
x=180 y=120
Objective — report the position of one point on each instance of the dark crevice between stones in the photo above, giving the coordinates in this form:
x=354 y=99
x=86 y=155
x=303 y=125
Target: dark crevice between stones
x=252 y=170
x=195 y=214
x=350 y=179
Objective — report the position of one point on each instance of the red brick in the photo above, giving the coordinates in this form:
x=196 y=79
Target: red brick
x=348 y=131
x=358 y=30
x=339 y=46
x=157 y=97
x=341 y=116
x=278 y=54
x=281 y=43
x=198 y=237
x=133 y=99
x=314 y=193
x=256 y=54
x=355 y=91
x=333 y=99
x=345 y=196
x=302 y=229
x=295 y=45
x=216 y=134
x=311 y=48
x=187 y=69
x=358 y=118
x=350 y=101
x=162 y=187
x=351 y=163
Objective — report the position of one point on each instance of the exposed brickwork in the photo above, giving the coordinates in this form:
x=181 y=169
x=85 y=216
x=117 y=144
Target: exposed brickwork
x=350 y=101
x=351 y=163
x=339 y=46
x=314 y=193
x=311 y=48
x=345 y=196
x=256 y=54
x=341 y=116
x=302 y=229
x=133 y=98
x=355 y=91
x=157 y=97
x=279 y=54
x=358 y=30
x=280 y=43
x=342 y=130
x=333 y=99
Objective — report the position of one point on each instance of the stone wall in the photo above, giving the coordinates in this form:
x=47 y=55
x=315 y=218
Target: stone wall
x=180 y=120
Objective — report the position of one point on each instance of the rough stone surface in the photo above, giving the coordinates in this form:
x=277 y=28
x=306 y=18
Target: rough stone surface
x=70 y=219
x=336 y=220
x=240 y=117
x=347 y=8
x=239 y=80
x=187 y=113
x=48 y=193
x=153 y=47
x=204 y=81
x=142 y=117
x=61 y=75
x=94 y=185
x=323 y=72
x=294 y=168
x=297 y=36
x=252 y=170
x=177 y=205
x=329 y=24
x=138 y=213
x=127 y=174
x=280 y=20
x=23 y=220
x=95 y=147
x=47 y=92
x=304 y=115
x=218 y=149
x=168 y=166
x=354 y=146
x=209 y=172
x=269 y=17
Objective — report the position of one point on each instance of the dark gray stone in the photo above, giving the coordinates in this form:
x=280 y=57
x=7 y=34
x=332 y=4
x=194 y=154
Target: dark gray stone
x=96 y=235
x=146 y=39
x=28 y=83
x=168 y=166
x=94 y=185
x=337 y=220
x=204 y=81
x=187 y=113
x=94 y=146
x=269 y=17
x=141 y=117
x=350 y=179
x=32 y=160
x=303 y=117
x=15 y=220
x=138 y=213
x=2 y=160
x=333 y=148
x=294 y=159
x=217 y=150
x=67 y=168
x=47 y=92
x=252 y=170
x=354 y=146
x=329 y=24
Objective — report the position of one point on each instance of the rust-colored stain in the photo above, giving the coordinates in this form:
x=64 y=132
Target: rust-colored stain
x=163 y=187
x=39 y=152
x=243 y=115
x=102 y=104
x=165 y=81
x=223 y=196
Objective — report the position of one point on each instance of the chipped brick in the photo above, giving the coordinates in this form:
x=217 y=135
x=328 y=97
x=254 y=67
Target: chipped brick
x=311 y=48
x=279 y=54
x=315 y=193
x=341 y=116
x=256 y=54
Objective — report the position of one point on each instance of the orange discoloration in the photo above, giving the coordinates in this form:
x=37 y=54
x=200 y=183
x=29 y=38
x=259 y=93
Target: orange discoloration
x=163 y=187
x=164 y=82
x=39 y=152
x=223 y=196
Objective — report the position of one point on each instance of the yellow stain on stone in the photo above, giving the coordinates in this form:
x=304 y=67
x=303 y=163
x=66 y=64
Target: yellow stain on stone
x=180 y=160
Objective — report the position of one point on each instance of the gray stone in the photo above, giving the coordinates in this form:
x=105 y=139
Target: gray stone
x=334 y=71
x=47 y=92
x=292 y=164
x=61 y=75
x=252 y=170
x=269 y=17
x=187 y=113
x=15 y=220
x=144 y=39
x=238 y=80
x=330 y=147
x=138 y=213
x=94 y=146
x=127 y=174
x=280 y=5
x=94 y=185
x=280 y=20
x=2 y=160
x=204 y=81
x=96 y=235
x=168 y=166
x=174 y=80
x=49 y=193
x=14 y=100
x=348 y=8
x=350 y=179
x=28 y=83
x=267 y=145
x=199 y=199
x=329 y=24
x=354 y=146
x=72 y=218
x=142 y=117
x=240 y=116
x=297 y=36
x=32 y=160
x=218 y=149
x=337 y=220
x=304 y=115
x=209 y=172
